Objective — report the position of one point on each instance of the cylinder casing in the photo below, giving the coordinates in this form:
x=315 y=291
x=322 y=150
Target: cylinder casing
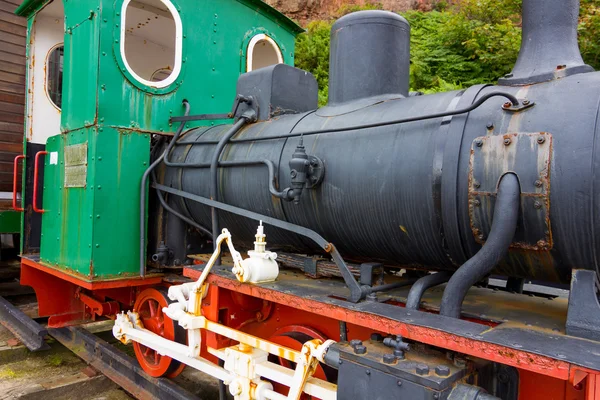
x=399 y=194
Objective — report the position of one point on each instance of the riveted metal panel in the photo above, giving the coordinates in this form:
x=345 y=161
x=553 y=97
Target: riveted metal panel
x=76 y=165
x=527 y=155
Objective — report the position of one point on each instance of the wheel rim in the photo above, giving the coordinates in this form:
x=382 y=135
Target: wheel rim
x=149 y=305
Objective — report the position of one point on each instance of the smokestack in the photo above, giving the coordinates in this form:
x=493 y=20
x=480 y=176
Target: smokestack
x=370 y=56
x=549 y=49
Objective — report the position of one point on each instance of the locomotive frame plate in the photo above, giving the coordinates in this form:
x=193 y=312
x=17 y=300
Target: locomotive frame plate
x=528 y=155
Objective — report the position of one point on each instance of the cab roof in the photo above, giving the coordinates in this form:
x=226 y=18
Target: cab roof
x=29 y=7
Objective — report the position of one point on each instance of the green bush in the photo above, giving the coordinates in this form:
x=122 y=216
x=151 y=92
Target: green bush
x=452 y=47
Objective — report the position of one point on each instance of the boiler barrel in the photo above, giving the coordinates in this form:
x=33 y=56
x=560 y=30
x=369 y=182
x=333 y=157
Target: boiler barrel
x=403 y=194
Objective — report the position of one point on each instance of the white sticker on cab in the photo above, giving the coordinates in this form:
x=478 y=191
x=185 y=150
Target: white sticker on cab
x=54 y=158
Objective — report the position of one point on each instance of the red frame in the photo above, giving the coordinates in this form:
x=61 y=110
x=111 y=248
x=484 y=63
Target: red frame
x=35 y=181
x=15 y=183
x=540 y=377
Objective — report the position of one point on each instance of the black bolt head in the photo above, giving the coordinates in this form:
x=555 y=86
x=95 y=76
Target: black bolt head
x=389 y=358
x=422 y=369
x=442 y=370
x=360 y=349
x=376 y=337
x=355 y=342
x=538 y=183
x=479 y=142
x=490 y=126
x=507 y=141
x=541 y=139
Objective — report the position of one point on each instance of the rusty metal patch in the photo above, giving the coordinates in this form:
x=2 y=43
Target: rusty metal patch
x=528 y=155
x=76 y=165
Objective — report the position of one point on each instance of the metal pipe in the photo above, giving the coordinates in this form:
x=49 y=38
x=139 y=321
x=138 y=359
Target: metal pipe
x=504 y=225
x=143 y=189
x=418 y=289
x=388 y=286
x=177 y=214
x=477 y=104
x=214 y=186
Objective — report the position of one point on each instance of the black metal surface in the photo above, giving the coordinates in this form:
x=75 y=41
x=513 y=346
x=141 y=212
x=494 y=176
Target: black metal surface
x=527 y=155
x=503 y=229
x=421 y=375
x=201 y=117
x=280 y=89
x=214 y=189
x=117 y=366
x=393 y=163
x=468 y=392
x=382 y=40
x=549 y=48
x=29 y=332
x=144 y=189
x=420 y=286
x=357 y=292
x=583 y=318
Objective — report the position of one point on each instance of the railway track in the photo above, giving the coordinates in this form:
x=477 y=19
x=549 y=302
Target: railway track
x=85 y=362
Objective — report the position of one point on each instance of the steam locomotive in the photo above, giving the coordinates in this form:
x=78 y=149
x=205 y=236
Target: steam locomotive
x=394 y=245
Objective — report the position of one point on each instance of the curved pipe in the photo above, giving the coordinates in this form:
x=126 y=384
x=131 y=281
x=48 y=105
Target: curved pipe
x=144 y=188
x=504 y=225
x=214 y=186
x=418 y=289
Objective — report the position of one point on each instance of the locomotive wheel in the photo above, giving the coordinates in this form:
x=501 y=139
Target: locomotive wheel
x=294 y=336
x=149 y=305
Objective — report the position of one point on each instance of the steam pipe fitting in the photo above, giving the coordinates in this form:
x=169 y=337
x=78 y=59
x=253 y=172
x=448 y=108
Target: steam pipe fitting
x=144 y=188
x=504 y=225
x=299 y=164
x=418 y=289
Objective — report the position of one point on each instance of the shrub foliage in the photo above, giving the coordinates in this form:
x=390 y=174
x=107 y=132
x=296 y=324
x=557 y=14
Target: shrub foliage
x=453 y=46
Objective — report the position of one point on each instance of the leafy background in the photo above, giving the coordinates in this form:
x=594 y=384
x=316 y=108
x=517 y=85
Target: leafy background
x=454 y=46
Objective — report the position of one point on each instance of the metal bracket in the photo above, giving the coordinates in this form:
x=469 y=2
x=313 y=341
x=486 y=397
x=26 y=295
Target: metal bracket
x=523 y=105
x=371 y=274
x=583 y=315
x=310 y=266
x=528 y=155
x=240 y=105
x=316 y=172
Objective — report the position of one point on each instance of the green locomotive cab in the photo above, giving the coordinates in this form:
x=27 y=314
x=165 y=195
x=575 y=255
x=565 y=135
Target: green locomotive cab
x=103 y=78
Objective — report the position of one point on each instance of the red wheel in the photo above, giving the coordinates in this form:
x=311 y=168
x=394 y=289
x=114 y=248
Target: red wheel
x=294 y=336
x=149 y=305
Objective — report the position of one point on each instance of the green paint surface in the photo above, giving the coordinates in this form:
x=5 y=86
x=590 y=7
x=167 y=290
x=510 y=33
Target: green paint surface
x=93 y=230
x=10 y=221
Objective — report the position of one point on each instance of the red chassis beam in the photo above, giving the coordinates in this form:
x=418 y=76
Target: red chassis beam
x=69 y=300
x=542 y=377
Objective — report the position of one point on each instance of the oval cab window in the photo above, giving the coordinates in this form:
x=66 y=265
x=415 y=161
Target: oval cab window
x=151 y=36
x=54 y=75
x=262 y=52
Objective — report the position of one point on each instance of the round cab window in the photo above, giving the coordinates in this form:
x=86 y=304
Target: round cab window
x=54 y=75
x=151 y=41
x=262 y=52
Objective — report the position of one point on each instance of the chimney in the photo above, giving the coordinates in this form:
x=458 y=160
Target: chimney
x=370 y=56
x=549 y=48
